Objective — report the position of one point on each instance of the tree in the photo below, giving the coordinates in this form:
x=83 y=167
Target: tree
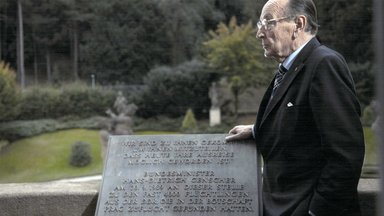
x=123 y=39
x=252 y=9
x=185 y=25
x=20 y=44
x=363 y=75
x=46 y=20
x=171 y=91
x=231 y=9
x=126 y=39
x=9 y=93
x=234 y=52
x=346 y=22
x=236 y=85
x=79 y=13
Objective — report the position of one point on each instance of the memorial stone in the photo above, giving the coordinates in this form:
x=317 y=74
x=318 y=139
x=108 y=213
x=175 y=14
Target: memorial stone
x=180 y=175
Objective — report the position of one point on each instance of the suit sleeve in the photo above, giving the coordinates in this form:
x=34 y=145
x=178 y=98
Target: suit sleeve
x=336 y=112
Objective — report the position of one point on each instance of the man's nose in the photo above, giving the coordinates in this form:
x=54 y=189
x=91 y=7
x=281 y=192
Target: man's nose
x=260 y=33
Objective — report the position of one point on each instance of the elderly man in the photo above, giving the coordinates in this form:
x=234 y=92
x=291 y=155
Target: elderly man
x=308 y=128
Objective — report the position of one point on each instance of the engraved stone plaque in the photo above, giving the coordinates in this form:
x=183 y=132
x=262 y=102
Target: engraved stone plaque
x=185 y=175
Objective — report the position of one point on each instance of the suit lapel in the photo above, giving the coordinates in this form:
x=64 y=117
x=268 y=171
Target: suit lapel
x=264 y=103
x=294 y=70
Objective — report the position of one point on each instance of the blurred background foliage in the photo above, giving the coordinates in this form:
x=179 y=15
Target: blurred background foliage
x=63 y=66
x=134 y=42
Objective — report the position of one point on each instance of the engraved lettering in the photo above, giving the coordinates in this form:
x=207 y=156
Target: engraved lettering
x=193 y=209
x=179 y=175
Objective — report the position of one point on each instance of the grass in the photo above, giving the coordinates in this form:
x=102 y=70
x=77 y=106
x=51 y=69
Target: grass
x=371 y=147
x=370 y=168
x=46 y=157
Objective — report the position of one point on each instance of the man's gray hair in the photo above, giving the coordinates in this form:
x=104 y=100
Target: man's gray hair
x=306 y=8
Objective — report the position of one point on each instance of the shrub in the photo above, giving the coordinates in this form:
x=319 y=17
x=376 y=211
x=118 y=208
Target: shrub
x=171 y=91
x=84 y=101
x=368 y=116
x=9 y=93
x=80 y=154
x=157 y=123
x=363 y=75
x=39 y=103
x=77 y=99
x=15 y=130
x=189 y=122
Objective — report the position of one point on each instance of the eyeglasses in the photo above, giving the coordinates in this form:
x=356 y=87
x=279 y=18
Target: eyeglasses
x=268 y=24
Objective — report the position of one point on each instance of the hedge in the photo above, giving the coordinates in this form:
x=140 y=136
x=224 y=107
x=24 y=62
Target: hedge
x=78 y=100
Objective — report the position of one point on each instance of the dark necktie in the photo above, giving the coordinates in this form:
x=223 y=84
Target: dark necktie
x=278 y=78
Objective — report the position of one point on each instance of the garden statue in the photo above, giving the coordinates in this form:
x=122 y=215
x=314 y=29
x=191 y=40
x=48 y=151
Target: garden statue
x=120 y=123
x=214 y=96
x=214 y=112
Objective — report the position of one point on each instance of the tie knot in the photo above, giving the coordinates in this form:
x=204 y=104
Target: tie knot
x=282 y=69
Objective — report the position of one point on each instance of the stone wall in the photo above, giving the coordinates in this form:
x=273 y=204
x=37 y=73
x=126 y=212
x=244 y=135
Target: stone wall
x=79 y=198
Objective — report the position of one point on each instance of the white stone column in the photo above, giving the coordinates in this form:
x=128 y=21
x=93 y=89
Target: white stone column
x=214 y=117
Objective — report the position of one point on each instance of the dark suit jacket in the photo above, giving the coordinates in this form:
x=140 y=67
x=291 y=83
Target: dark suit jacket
x=311 y=138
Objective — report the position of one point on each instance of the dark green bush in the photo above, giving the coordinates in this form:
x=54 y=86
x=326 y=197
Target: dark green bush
x=171 y=91
x=80 y=154
x=157 y=123
x=363 y=75
x=39 y=103
x=18 y=129
x=77 y=99
x=9 y=93
x=83 y=101
x=14 y=130
x=189 y=122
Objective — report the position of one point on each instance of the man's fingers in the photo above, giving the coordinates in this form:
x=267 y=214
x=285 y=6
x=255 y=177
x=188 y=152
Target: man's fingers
x=230 y=138
x=233 y=131
x=239 y=132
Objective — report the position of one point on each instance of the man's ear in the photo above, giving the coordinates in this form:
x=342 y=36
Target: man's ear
x=301 y=22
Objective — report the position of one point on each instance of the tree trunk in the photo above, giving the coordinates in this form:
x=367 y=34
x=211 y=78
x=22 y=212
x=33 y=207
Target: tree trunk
x=35 y=63
x=236 y=104
x=20 y=45
x=3 y=33
x=75 y=51
x=49 y=71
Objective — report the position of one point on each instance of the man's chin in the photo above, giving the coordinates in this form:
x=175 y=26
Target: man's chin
x=267 y=54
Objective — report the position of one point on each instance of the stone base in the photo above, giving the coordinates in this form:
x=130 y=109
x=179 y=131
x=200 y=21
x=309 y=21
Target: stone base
x=50 y=198
x=80 y=198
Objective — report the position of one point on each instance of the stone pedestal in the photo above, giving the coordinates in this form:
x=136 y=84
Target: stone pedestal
x=214 y=117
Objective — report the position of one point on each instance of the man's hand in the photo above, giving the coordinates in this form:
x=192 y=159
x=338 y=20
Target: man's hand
x=239 y=132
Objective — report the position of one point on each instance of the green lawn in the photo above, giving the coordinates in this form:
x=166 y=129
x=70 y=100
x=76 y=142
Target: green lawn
x=46 y=157
x=370 y=168
x=371 y=147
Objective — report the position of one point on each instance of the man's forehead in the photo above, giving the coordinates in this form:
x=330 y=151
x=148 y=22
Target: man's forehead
x=272 y=9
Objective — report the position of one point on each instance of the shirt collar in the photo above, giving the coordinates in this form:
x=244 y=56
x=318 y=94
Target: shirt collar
x=289 y=61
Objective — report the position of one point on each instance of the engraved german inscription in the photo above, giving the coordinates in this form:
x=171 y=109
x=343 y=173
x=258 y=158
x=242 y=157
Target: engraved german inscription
x=179 y=175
